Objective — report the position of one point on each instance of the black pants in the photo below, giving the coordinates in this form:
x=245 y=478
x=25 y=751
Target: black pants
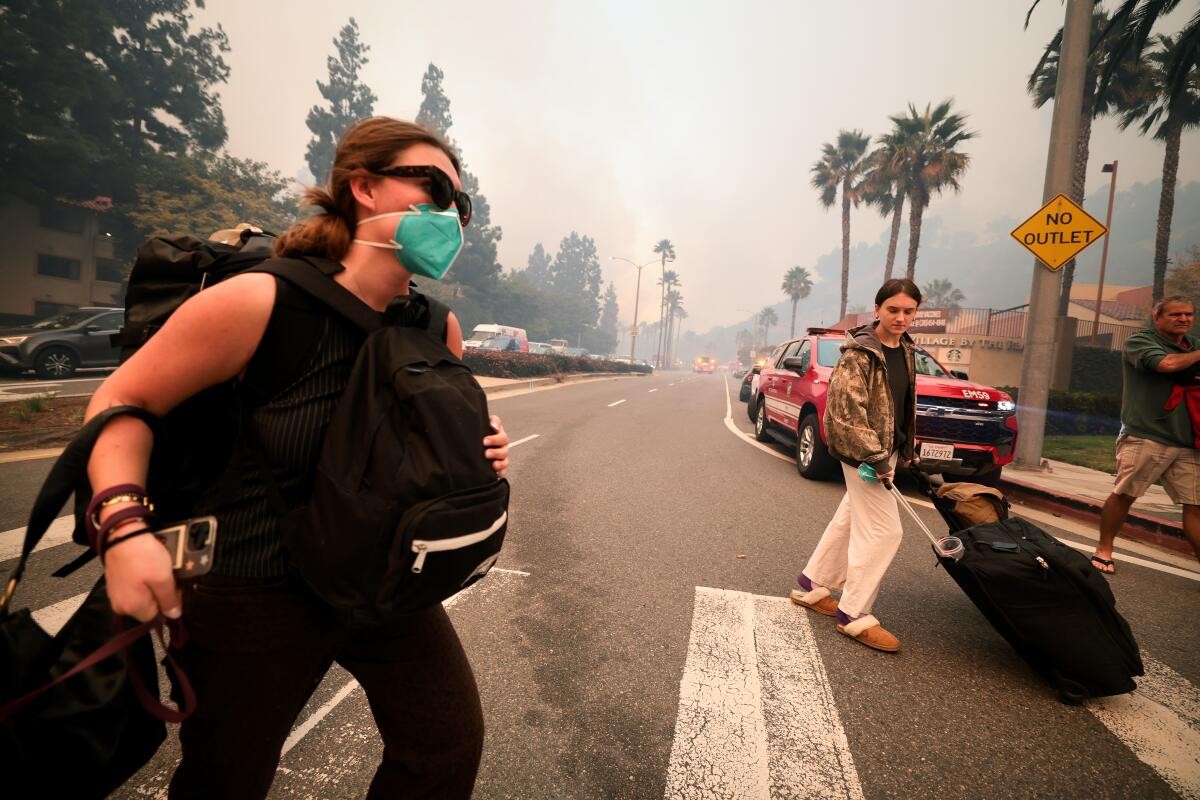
x=256 y=652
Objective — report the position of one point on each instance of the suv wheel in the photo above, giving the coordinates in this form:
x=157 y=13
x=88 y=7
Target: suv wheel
x=55 y=362
x=812 y=459
x=760 y=423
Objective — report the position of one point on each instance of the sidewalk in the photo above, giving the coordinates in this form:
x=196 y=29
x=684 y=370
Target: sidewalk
x=1080 y=492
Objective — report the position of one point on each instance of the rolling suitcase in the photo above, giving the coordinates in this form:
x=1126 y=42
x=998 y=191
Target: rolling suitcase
x=1042 y=596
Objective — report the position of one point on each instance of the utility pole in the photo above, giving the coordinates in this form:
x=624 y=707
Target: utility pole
x=1037 y=368
x=1112 y=193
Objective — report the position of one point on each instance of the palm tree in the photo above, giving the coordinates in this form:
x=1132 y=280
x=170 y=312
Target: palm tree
x=840 y=169
x=1131 y=25
x=674 y=300
x=927 y=142
x=667 y=250
x=885 y=186
x=669 y=280
x=1167 y=115
x=1115 y=97
x=796 y=284
x=940 y=293
x=767 y=318
x=680 y=315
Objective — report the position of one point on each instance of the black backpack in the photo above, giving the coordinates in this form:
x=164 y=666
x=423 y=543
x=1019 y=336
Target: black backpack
x=405 y=511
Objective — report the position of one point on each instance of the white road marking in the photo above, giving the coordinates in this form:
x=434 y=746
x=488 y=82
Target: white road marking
x=756 y=717
x=745 y=437
x=523 y=441
x=29 y=455
x=1160 y=723
x=58 y=533
x=610 y=405
x=53 y=617
x=311 y=722
x=652 y=391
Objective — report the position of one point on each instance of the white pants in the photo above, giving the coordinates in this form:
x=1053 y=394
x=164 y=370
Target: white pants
x=859 y=544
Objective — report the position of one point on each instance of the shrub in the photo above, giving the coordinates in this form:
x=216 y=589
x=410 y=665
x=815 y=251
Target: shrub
x=1095 y=369
x=495 y=364
x=1072 y=413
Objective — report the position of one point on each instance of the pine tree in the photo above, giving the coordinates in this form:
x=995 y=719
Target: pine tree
x=435 y=106
x=477 y=266
x=610 y=323
x=537 y=269
x=348 y=100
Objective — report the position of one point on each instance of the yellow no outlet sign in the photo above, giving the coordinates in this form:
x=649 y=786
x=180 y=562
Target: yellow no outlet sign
x=1058 y=231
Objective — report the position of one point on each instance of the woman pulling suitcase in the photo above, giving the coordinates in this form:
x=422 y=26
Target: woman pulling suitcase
x=870 y=421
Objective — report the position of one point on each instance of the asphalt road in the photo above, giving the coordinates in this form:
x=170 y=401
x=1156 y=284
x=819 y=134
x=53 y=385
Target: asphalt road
x=635 y=643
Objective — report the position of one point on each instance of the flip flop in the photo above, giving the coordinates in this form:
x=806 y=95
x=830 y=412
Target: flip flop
x=1104 y=565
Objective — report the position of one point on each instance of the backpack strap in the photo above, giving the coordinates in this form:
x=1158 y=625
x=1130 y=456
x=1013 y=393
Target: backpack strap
x=315 y=276
x=68 y=474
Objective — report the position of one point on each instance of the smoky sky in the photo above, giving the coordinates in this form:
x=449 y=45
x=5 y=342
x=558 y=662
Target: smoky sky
x=633 y=121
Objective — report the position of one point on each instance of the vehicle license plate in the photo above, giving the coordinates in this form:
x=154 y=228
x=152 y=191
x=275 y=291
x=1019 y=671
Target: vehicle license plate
x=937 y=452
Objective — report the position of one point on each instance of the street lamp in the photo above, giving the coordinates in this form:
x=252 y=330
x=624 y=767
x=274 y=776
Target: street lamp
x=636 y=298
x=1112 y=190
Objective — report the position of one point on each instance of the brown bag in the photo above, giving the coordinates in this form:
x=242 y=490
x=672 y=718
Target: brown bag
x=974 y=503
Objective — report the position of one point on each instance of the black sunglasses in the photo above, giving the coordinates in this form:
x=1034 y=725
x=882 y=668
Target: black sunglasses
x=441 y=188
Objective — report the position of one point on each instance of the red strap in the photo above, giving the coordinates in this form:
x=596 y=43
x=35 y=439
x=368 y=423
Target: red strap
x=152 y=704
x=118 y=518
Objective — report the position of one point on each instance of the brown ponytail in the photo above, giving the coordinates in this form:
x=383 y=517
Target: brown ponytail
x=366 y=146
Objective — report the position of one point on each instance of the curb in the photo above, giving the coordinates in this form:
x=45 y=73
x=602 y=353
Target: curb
x=1139 y=526
x=520 y=384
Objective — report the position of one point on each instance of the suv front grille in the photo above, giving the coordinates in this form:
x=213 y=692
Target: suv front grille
x=986 y=430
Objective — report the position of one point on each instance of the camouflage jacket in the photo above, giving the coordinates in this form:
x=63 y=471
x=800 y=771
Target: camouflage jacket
x=859 y=419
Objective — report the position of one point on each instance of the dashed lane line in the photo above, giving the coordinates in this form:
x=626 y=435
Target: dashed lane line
x=610 y=405
x=652 y=391
x=529 y=438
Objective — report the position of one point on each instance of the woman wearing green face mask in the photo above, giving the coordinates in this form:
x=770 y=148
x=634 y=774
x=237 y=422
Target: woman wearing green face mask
x=260 y=641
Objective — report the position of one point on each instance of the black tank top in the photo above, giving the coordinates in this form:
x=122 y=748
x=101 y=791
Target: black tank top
x=292 y=385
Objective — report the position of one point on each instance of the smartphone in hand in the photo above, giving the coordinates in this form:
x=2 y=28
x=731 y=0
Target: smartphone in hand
x=190 y=544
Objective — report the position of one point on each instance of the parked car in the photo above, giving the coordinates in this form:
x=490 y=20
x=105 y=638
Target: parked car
x=965 y=430
x=55 y=347
x=482 y=334
x=637 y=362
x=541 y=349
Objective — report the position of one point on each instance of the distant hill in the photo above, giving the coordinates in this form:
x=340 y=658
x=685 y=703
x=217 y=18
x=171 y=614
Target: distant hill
x=991 y=269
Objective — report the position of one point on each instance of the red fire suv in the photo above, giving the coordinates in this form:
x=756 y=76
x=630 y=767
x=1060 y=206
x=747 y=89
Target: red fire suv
x=964 y=429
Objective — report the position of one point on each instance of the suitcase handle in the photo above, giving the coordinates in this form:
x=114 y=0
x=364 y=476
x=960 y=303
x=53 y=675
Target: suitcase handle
x=948 y=547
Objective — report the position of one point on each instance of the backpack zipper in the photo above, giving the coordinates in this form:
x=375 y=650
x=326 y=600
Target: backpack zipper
x=422 y=547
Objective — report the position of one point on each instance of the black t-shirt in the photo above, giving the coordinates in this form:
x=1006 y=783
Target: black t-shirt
x=897 y=372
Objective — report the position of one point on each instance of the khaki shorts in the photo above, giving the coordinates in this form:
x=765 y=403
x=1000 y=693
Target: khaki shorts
x=1142 y=462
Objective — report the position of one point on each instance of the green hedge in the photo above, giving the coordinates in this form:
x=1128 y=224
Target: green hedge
x=1071 y=413
x=495 y=364
x=1095 y=369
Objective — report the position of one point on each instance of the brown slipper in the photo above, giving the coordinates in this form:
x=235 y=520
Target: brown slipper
x=868 y=631
x=818 y=600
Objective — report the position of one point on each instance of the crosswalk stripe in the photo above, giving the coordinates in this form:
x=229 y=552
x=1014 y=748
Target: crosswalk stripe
x=756 y=717
x=1160 y=723
x=53 y=617
x=58 y=533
